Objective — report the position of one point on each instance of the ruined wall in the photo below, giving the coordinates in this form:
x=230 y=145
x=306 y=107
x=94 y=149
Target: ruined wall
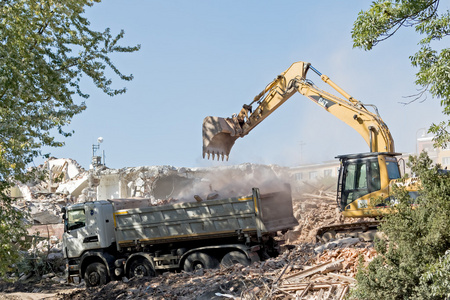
x=182 y=184
x=157 y=184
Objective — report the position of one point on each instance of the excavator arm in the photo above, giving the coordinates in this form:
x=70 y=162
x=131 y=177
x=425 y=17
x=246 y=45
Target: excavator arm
x=220 y=134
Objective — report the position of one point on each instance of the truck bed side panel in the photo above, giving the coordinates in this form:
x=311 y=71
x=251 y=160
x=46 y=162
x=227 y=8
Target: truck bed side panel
x=257 y=214
x=184 y=221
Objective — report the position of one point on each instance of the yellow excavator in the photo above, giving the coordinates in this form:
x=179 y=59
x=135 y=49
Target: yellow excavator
x=362 y=177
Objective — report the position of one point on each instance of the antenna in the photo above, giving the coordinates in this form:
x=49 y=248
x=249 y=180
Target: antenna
x=97 y=160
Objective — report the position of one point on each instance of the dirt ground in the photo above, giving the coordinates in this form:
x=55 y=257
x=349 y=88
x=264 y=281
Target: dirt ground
x=261 y=280
x=34 y=290
x=201 y=285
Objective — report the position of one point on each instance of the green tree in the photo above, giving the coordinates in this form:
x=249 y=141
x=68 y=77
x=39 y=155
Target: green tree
x=385 y=17
x=47 y=48
x=410 y=262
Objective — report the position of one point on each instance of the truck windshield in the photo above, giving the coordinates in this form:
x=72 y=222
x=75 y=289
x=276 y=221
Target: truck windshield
x=76 y=219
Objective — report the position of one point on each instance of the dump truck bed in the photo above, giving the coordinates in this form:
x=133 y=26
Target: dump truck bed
x=255 y=215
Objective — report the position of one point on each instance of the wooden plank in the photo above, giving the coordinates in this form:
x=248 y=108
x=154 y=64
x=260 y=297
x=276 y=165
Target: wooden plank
x=330 y=266
x=342 y=277
x=320 y=295
x=305 y=291
x=343 y=293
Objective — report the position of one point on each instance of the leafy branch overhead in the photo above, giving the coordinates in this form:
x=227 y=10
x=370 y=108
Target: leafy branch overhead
x=46 y=49
x=385 y=18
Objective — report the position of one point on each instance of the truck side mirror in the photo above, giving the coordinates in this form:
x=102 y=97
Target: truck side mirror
x=64 y=216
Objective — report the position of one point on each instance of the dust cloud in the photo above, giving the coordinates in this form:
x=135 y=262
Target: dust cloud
x=225 y=182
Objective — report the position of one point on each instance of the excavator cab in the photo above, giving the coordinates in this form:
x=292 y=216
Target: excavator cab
x=364 y=177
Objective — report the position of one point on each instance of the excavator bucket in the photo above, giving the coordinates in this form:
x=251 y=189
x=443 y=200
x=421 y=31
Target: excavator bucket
x=219 y=135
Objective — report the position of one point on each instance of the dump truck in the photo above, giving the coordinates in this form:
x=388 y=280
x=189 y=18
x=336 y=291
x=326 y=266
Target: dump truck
x=109 y=239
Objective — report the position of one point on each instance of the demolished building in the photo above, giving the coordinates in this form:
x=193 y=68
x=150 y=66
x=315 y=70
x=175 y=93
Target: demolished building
x=67 y=182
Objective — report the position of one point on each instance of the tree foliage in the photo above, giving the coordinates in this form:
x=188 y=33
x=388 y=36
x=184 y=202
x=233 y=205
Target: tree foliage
x=412 y=262
x=386 y=17
x=47 y=48
x=12 y=230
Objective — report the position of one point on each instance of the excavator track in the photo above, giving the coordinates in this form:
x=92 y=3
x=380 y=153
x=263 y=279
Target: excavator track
x=365 y=230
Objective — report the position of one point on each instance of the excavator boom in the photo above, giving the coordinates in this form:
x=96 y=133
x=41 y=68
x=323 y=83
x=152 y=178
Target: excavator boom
x=220 y=134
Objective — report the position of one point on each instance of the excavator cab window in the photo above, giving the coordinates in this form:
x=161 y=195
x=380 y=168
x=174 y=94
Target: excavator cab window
x=393 y=169
x=375 y=182
x=360 y=178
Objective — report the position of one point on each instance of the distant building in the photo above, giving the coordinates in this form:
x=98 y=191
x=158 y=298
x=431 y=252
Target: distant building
x=313 y=172
x=438 y=155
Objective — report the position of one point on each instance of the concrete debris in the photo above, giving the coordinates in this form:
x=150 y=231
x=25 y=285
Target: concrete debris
x=65 y=182
x=314 y=211
x=43 y=217
x=345 y=242
x=350 y=256
x=48 y=246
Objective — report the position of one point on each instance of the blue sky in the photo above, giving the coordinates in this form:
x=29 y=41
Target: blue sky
x=201 y=58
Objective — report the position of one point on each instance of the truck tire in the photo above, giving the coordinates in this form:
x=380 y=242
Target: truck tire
x=235 y=257
x=96 y=275
x=141 y=268
x=200 y=260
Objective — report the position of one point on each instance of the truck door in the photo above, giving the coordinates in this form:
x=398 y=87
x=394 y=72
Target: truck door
x=78 y=235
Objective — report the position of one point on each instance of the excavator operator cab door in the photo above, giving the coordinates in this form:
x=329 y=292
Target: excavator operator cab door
x=364 y=175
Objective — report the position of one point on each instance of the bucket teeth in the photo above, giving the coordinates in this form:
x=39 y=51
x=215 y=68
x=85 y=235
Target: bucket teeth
x=219 y=135
x=212 y=154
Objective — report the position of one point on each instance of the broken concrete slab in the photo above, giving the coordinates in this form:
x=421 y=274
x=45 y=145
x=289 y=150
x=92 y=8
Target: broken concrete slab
x=345 y=242
x=73 y=187
x=45 y=217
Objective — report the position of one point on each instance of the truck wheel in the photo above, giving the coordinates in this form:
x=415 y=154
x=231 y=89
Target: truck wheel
x=141 y=268
x=200 y=260
x=235 y=257
x=95 y=275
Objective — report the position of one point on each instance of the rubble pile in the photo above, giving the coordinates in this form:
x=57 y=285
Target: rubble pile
x=43 y=259
x=183 y=184
x=64 y=181
x=313 y=211
x=350 y=257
